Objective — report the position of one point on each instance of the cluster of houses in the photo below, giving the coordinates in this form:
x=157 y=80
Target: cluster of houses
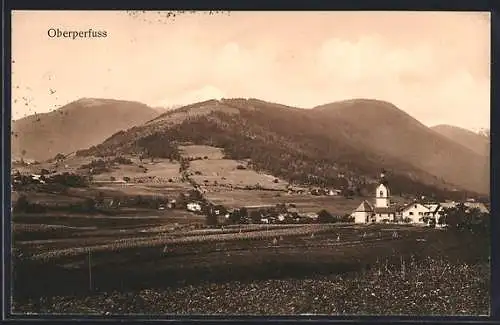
x=415 y=212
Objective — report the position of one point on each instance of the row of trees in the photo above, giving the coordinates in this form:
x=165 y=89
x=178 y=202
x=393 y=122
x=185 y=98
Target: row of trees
x=462 y=217
x=23 y=205
x=255 y=216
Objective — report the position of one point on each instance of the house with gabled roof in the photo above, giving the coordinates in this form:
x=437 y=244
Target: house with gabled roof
x=363 y=212
x=415 y=212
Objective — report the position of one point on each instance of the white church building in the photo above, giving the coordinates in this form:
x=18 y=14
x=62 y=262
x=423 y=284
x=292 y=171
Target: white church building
x=380 y=211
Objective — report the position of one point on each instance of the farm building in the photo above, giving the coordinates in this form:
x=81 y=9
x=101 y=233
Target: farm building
x=415 y=212
x=477 y=205
x=363 y=212
x=470 y=205
x=194 y=206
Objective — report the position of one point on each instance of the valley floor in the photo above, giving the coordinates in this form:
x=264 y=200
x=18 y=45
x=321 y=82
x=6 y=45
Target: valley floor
x=332 y=270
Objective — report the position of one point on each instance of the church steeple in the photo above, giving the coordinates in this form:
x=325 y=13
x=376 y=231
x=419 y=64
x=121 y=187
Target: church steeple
x=382 y=192
x=383 y=180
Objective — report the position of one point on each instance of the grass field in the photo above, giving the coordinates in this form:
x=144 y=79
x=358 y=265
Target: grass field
x=200 y=151
x=326 y=269
x=215 y=171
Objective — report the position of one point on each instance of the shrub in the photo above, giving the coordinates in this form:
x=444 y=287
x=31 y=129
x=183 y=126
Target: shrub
x=122 y=161
x=60 y=156
x=22 y=204
x=69 y=180
x=211 y=219
x=325 y=217
x=126 y=179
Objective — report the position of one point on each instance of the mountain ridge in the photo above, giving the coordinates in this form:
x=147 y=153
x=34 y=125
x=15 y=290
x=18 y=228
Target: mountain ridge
x=354 y=136
x=476 y=142
x=67 y=129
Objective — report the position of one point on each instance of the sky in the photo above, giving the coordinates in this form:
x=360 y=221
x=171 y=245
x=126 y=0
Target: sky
x=433 y=65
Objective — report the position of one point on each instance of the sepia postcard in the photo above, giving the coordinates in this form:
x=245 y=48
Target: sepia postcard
x=262 y=163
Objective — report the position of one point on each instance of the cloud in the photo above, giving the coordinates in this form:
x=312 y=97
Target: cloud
x=371 y=58
x=434 y=66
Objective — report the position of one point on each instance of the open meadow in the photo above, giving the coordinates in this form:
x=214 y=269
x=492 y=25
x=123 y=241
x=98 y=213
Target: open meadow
x=209 y=167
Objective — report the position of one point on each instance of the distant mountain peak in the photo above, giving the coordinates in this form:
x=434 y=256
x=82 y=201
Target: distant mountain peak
x=475 y=141
x=66 y=129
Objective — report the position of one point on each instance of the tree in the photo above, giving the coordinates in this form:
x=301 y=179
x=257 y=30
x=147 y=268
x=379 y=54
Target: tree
x=180 y=201
x=255 y=216
x=59 y=157
x=455 y=217
x=211 y=219
x=89 y=204
x=461 y=217
x=281 y=208
x=325 y=217
x=235 y=217
x=22 y=204
x=100 y=198
x=195 y=195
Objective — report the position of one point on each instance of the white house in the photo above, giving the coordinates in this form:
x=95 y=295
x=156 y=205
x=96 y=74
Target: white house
x=471 y=205
x=436 y=210
x=363 y=212
x=333 y=192
x=416 y=212
x=311 y=215
x=38 y=178
x=477 y=205
x=194 y=207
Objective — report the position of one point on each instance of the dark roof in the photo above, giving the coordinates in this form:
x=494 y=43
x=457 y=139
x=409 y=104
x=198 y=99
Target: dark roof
x=384 y=210
x=408 y=205
x=365 y=206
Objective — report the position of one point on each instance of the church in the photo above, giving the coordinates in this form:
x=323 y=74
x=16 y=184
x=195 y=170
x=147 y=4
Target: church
x=380 y=210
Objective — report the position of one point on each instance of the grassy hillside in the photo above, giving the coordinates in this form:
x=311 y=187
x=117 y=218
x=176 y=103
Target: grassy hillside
x=74 y=126
x=339 y=144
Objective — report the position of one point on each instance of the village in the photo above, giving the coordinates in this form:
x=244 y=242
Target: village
x=379 y=209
